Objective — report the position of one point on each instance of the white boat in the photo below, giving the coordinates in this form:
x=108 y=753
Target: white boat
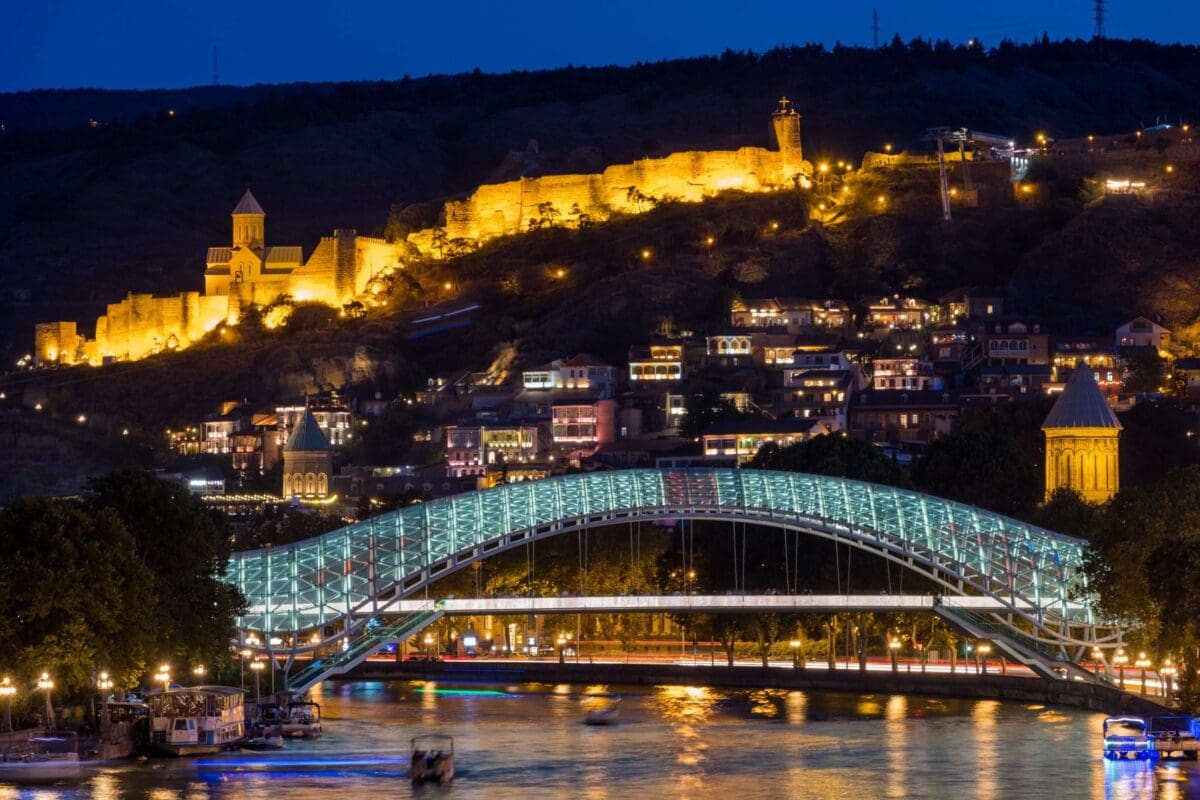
x=202 y=719
x=432 y=759
x=44 y=758
x=606 y=714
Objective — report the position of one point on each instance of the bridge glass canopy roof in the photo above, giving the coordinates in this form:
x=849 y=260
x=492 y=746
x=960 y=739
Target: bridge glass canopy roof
x=351 y=572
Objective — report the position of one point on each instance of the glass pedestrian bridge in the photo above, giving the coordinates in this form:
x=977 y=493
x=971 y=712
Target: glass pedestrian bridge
x=311 y=592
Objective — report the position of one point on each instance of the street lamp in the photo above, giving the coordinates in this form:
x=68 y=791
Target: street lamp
x=1120 y=659
x=428 y=646
x=46 y=683
x=983 y=651
x=795 y=653
x=7 y=690
x=1142 y=663
x=1167 y=671
x=257 y=666
x=105 y=684
x=894 y=648
x=199 y=671
x=163 y=676
x=562 y=648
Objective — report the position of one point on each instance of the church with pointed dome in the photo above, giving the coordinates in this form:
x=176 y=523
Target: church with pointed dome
x=307 y=460
x=1082 y=438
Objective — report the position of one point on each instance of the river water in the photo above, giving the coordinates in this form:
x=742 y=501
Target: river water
x=528 y=741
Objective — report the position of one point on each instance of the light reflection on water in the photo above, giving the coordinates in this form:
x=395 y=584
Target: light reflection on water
x=672 y=741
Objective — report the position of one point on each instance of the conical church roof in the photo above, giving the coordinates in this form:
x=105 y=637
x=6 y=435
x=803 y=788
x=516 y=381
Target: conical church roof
x=248 y=205
x=1081 y=405
x=307 y=436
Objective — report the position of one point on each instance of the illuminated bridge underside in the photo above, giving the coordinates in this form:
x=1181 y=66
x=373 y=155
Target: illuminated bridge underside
x=351 y=574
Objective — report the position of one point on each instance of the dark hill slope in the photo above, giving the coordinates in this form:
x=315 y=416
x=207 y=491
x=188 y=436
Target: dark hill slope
x=87 y=214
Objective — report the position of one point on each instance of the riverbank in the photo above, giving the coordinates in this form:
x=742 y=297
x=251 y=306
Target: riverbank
x=1075 y=694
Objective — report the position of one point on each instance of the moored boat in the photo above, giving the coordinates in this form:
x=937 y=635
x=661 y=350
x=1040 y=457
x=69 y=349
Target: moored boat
x=41 y=758
x=605 y=714
x=201 y=719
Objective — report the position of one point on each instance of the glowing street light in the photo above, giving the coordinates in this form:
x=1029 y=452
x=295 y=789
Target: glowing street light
x=1167 y=671
x=199 y=671
x=983 y=650
x=163 y=677
x=646 y=254
x=46 y=684
x=894 y=649
x=1143 y=664
x=258 y=667
x=105 y=684
x=1120 y=659
x=7 y=690
x=795 y=645
x=561 y=642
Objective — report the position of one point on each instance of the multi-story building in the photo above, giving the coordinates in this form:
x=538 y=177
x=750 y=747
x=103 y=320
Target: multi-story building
x=817 y=394
x=1143 y=332
x=911 y=373
x=580 y=425
x=1015 y=379
x=1014 y=343
x=736 y=441
x=895 y=313
x=899 y=418
x=792 y=313
x=656 y=362
x=1093 y=353
x=473 y=449
x=332 y=413
x=971 y=302
x=583 y=372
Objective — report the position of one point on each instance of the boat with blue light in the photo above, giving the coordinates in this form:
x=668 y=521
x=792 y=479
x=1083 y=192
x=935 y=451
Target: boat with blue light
x=1127 y=738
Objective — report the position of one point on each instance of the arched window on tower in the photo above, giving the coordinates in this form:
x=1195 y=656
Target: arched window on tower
x=322 y=484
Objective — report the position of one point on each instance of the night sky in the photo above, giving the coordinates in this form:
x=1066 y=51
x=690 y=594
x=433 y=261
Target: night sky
x=169 y=43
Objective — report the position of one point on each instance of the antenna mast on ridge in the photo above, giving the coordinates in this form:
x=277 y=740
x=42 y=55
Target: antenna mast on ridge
x=216 y=73
x=1099 y=19
x=875 y=26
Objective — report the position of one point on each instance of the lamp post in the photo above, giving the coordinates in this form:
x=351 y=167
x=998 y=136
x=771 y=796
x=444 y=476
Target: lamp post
x=562 y=648
x=199 y=671
x=1096 y=660
x=1167 y=671
x=795 y=643
x=257 y=666
x=163 y=676
x=46 y=683
x=428 y=646
x=983 y=651
x=105 y=684
x=921 y=654
x=1120 y=659
x=894 y=649
x=7 y=690
x=1142 y=663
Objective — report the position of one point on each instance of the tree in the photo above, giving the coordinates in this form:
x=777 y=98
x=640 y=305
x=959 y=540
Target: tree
x=993 y=459
x=1144 y=565
x=186 y=548
x=1145 y=370
x=72 y=594
x=1158 y=437
x=833 y=454
x=1066 y=512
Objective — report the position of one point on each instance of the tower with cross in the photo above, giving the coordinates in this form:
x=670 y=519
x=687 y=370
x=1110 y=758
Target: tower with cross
x=786 y=122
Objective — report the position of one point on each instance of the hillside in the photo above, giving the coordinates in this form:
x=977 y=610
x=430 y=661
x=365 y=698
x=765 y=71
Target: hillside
x=89 y=213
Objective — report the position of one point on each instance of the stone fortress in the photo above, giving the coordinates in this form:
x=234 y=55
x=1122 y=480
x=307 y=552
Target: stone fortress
x=251 y=273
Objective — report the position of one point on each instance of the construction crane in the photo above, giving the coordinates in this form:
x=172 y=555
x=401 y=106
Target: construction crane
x=961 y=137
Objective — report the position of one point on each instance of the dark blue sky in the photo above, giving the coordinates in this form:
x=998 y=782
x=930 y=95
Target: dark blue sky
x=168 y=43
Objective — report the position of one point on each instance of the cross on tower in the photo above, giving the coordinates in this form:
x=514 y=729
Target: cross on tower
x=784 y=103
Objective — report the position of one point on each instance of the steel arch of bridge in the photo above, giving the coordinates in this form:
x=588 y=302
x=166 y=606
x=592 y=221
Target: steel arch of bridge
x=348 y=575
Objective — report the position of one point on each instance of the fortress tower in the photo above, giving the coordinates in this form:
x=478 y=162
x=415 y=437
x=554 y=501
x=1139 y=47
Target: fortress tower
x=786 y=122
x=1081 y=441
x=248 y=219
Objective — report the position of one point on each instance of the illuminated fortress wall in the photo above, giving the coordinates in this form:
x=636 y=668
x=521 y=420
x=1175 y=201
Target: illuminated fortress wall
x=251 y=273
